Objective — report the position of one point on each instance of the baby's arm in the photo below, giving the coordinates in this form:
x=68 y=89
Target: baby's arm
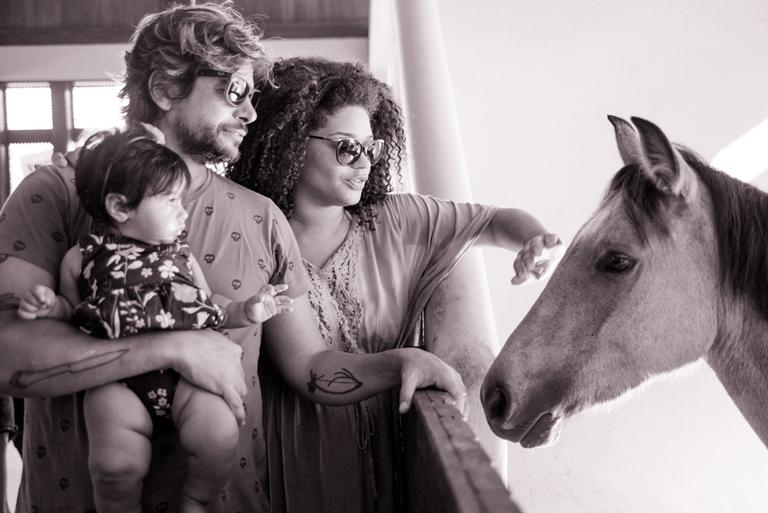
x=260 y=307
x=41 y=301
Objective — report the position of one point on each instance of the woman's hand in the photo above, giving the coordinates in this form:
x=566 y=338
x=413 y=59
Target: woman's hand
x=422 y=369
x=537 y=258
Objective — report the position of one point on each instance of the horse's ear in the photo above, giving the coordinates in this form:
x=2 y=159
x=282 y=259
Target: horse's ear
x=627 y=141
x=663 y=162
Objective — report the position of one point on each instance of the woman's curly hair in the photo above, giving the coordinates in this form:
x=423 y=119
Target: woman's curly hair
x=303 y=93
x=173 y=45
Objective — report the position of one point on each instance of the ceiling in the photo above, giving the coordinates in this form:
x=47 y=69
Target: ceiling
x=37 y=22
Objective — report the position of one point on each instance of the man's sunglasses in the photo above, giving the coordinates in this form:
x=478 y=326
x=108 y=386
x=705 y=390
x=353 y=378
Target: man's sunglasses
x=349 y=150
x=237 y=91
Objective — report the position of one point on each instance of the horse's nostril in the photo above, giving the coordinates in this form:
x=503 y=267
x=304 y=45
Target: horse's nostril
x=496 y=403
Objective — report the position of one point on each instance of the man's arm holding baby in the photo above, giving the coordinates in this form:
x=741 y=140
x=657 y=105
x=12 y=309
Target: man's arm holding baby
x=47 y=357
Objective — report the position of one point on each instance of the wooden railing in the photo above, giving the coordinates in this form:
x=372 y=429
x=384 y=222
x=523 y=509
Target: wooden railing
x=446 y=470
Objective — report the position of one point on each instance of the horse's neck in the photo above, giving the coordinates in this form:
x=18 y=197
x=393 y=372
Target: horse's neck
x=740 y=360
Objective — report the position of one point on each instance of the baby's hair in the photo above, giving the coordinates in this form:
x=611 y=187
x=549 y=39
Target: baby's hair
x=131 y=163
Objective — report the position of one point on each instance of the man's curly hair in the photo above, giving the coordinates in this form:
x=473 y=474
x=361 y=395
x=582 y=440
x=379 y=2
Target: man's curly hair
x=173 y=45
x=303 y=93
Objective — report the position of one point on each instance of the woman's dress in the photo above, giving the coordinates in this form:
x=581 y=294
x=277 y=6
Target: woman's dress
x=368 y=297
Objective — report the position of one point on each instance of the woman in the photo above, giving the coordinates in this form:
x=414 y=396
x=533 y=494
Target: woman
x=327 y=149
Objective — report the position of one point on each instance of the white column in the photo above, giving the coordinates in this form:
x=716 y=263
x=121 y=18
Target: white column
x=459 y=321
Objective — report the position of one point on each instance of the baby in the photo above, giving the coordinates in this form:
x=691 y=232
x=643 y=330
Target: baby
x=134 y=273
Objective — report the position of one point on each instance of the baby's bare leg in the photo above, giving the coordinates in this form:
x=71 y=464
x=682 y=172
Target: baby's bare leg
x=209 y=433
x=119 y=432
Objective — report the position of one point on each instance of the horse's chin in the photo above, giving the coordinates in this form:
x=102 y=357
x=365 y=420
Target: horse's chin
x=545 y=431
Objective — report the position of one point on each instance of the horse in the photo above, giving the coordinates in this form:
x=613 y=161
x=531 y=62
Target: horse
x=670 y=269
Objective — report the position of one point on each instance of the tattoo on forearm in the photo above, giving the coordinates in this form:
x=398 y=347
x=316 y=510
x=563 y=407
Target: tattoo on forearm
x=8 y=301
x=26 y=378
x=342 y=382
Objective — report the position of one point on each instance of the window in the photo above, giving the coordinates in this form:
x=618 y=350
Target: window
x=29 y=106
x=41 y=117
x=96 y=105
x=746 y=158
x=22 y=158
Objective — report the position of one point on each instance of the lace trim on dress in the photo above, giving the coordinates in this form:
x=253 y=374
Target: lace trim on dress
x=334 y=294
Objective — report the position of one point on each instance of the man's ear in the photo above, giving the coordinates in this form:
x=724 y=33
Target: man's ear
x=116 y=206
x=159 y=92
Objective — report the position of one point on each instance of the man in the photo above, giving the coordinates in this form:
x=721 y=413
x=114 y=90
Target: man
x=190 y=71
x=47 y=358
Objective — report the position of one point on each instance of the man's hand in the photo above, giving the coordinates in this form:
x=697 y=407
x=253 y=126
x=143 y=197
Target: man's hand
x=421 y=369
x=212 y=362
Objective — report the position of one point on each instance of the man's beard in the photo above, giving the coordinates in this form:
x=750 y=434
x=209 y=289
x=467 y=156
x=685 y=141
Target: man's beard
x=202 y=144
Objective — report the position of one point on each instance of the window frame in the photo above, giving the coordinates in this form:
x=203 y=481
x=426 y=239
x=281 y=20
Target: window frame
x=61 y=135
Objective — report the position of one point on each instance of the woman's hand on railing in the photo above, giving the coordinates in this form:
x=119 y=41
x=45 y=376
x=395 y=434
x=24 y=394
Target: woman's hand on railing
x=422 y=369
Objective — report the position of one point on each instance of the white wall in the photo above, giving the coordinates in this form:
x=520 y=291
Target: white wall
x=534 y=82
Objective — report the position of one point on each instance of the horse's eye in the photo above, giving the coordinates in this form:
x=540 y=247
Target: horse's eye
x=616 y=263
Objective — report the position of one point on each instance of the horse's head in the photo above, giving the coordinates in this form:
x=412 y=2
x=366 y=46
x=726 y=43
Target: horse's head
x=634 y=296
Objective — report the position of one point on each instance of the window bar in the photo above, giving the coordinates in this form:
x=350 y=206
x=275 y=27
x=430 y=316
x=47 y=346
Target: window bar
x=5 y=166
x=62 y=115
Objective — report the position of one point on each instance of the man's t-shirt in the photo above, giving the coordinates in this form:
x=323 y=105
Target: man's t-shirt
x=242 y=241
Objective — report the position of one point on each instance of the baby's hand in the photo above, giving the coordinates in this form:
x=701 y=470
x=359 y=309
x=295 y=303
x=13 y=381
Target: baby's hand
x=537 y=257
x=267 y=303
x=38 y=301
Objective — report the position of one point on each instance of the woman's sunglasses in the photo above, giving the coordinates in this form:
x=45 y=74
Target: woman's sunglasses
x=237 y=91
x=349 y=150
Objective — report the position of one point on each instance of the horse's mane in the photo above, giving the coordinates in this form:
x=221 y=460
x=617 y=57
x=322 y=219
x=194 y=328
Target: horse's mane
x=740 y=217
